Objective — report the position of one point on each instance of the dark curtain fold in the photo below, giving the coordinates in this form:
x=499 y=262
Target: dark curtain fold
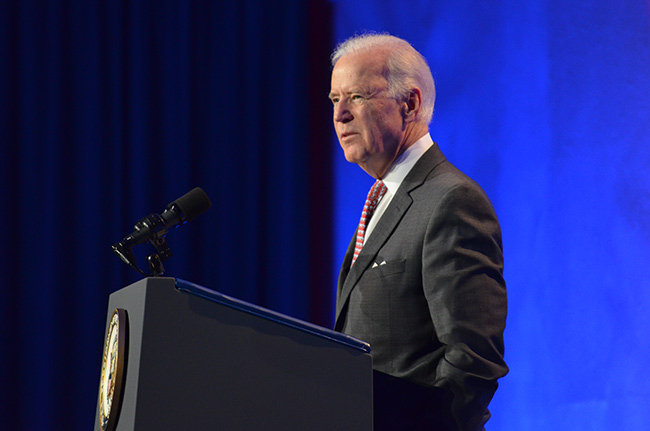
x=111 y=110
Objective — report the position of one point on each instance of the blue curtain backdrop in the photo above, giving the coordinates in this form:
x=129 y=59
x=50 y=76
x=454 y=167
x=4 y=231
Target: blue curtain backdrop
x=547 y=105
x=111 y=110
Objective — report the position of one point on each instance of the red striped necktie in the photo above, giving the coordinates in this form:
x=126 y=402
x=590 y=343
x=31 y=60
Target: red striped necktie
x=376 y=192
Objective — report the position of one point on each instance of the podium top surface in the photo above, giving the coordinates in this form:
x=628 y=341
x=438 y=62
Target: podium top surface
x=319 y=331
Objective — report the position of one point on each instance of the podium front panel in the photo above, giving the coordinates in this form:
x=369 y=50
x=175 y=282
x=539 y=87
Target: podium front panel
x=194 y=363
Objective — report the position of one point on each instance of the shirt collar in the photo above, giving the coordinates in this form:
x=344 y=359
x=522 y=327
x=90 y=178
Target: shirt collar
x=405 y=162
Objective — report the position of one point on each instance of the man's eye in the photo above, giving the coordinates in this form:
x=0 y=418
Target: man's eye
x=356 y=97
x=335 y=100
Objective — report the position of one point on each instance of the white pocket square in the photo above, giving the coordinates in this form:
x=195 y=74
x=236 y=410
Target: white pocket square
x=375 y=265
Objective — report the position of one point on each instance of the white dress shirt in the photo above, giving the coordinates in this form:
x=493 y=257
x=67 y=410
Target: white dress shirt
x=395 y=175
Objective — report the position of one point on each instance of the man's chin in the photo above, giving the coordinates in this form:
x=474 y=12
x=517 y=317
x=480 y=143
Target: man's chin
x=354 y=155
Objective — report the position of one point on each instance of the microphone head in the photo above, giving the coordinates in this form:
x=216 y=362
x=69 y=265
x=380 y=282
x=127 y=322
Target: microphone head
x=192 y=203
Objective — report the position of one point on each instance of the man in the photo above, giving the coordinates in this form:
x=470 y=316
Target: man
x=422 y=278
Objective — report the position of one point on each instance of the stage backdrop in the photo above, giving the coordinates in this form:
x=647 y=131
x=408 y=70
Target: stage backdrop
x=547 y=105
x=111 y=110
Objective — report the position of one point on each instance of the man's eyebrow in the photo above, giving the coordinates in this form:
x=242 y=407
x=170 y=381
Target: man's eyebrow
x=356 y=90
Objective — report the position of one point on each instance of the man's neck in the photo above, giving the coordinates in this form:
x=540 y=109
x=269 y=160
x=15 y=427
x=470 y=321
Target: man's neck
x=411 y=136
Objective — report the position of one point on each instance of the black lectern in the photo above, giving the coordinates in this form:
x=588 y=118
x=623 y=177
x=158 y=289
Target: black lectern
x=195 y=359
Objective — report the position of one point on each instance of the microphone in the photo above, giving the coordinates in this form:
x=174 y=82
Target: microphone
x=182 y=210
x=154 y=227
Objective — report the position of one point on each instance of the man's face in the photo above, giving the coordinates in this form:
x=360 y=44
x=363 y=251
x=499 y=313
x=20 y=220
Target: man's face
x=368 y=123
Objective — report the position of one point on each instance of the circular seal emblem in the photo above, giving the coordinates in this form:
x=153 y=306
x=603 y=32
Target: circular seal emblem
x=113 y=364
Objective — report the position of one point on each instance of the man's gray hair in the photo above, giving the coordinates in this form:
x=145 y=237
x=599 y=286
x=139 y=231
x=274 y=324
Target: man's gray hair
x=405 y=67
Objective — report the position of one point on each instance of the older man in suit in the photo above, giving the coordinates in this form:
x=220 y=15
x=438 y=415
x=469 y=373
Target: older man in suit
x=422 y=279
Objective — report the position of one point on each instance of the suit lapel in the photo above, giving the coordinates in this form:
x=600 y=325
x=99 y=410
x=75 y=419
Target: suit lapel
x=348 y=277
x=345 y=266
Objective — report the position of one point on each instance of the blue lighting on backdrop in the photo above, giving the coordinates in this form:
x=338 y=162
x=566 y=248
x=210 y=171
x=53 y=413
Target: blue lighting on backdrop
x=547 y=105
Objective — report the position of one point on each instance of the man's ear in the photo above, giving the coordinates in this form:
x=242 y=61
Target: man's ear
x=411 y=105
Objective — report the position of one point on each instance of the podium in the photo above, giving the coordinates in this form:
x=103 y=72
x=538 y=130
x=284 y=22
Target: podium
x=194 y=359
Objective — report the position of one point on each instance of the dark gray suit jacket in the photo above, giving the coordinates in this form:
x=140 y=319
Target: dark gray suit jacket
x=435 y=312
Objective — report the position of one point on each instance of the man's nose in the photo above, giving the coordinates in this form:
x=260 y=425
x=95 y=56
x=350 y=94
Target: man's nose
x=342 y=112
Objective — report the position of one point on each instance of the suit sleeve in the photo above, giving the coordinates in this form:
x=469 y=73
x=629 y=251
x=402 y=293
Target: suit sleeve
x=466 y=293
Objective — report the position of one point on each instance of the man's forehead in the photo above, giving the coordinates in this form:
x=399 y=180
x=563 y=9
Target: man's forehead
x=355 y=73
x=364 y=88
x=360 y=62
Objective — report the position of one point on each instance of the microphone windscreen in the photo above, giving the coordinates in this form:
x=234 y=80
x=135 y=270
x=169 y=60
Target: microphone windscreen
x=193 y=203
